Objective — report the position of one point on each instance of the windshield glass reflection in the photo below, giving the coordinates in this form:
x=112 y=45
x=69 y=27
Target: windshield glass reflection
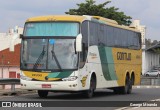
x=48 y=54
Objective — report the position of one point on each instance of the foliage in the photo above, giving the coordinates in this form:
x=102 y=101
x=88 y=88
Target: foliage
x=91 y=8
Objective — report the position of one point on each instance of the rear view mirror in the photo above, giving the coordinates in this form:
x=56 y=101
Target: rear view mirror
x=79 y=43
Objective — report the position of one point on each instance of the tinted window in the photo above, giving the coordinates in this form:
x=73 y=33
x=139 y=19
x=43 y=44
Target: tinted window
x=101 y=34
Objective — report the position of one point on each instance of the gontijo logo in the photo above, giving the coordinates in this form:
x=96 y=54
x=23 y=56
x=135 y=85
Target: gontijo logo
x=123 y=56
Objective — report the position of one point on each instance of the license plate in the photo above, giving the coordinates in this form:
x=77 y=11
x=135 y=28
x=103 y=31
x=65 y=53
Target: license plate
x=46 y=85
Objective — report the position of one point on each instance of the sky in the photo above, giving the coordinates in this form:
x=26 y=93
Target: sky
x=15 y=12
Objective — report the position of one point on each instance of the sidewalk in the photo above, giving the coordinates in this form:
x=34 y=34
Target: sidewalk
x=18 y=91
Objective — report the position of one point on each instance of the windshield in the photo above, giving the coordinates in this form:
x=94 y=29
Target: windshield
x=48 y=54
x=51 y=29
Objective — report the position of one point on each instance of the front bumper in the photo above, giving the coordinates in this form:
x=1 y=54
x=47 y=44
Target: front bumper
x=55 y=85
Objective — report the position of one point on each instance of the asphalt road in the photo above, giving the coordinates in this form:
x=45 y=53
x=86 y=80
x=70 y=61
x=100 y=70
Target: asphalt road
x=138 y=94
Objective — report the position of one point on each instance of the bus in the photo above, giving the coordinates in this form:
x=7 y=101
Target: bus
x=70 y=53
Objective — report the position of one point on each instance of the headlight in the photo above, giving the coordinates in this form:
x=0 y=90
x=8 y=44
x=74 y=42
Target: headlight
x=71 y=78
x=26 y=78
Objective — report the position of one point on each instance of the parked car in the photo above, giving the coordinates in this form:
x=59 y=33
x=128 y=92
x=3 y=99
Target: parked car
x=155 y=73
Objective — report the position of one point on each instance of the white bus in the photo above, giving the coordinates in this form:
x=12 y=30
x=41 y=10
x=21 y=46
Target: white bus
x=79 y=54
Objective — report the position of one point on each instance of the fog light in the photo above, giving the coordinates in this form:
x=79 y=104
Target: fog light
x=74 y=85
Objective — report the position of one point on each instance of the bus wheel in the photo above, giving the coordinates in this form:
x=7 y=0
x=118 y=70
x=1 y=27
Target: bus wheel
x=116 y=90
x=132 y=79
x=127 y=89
x=42 y=93
x=89 y=93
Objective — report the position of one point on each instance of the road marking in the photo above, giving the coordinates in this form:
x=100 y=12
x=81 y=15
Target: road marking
x=28 y=94
x=139 y=87
x=123 y=108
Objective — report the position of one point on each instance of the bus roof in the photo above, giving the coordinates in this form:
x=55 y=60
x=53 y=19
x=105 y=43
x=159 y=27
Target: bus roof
x=57 y=18
x=77 y=18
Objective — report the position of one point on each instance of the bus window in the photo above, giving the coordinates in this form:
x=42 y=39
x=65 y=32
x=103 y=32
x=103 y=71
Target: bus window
x=83 y=55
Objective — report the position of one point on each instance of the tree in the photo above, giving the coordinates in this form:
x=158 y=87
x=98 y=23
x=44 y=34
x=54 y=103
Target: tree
x=90 y=8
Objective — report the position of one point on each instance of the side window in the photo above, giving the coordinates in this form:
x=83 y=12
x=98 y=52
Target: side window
x=101 y=35
x=133 y=40
x=83 y=54
x=84 y=31
x=93 y=33
x=129 y=39
x=118 y=37
x=109 y=32
x=105 y=35
x=139 y=40
x=124 y=38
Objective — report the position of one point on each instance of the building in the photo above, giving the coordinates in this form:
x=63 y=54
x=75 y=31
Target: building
x=7 y=38
x=10 y=60
x=150 y=58
x=142 y=29
x=10 y=63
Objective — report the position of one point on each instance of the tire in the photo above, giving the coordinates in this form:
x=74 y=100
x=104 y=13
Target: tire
x=147 y=75
x=158 y=75
x=127 y=89
x=116 y=90
x=132 y=79
x=42 y=94
x=89 y=93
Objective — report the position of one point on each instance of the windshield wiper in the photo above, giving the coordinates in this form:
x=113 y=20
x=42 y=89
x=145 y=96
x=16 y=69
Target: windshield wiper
x=39 y=59
x=54 y=55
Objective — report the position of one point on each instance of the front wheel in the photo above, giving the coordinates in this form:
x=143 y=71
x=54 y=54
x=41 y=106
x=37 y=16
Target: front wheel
x=42 y=93
x=89 y=93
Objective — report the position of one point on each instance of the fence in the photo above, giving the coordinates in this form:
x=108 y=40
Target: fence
x=10 y=81
x=153 y=81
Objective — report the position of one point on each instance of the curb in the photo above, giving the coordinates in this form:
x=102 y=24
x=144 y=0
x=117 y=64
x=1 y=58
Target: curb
x=146 y=86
